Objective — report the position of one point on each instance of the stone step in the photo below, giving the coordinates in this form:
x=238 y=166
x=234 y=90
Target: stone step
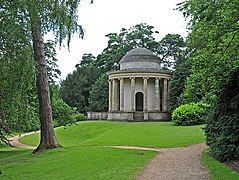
x=138 y=116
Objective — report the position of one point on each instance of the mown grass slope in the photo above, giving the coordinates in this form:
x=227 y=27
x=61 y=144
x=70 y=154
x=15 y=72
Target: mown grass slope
x=147 y=134
x=85 y=155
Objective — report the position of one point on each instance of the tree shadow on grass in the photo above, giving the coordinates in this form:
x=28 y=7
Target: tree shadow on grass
x=9 y=152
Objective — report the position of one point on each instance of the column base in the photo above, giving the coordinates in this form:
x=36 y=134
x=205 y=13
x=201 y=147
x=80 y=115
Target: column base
x=146 y=116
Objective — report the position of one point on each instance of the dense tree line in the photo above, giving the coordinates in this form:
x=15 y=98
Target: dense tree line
x=210 y=72
x=17 y=75
x=87 y=87
x=75 y=89
x=18 y=100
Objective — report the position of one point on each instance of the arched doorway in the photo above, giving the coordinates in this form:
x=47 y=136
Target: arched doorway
x=139 y=101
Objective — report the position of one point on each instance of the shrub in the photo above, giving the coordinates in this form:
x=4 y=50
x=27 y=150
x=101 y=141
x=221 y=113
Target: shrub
x=79 y=117
x=222 y=129
x=189 y=114
x=62 y=113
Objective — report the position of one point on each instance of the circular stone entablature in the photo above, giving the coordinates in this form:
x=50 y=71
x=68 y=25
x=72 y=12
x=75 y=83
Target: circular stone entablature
x=140 y=58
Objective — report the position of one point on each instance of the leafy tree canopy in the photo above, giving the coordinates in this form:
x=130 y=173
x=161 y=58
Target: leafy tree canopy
x=213 y=41
x=99 y=96
x=76 y=87
x=169 y=49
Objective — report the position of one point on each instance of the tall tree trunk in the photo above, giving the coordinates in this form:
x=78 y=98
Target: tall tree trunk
x=48 y=138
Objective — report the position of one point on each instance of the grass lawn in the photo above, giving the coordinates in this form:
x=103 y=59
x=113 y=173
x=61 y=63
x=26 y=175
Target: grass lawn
x=103 y=133
x=74 y=163
x=6 y=151
x=218 y=170
x=83 y=158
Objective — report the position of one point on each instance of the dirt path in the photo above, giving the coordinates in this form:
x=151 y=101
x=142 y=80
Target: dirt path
x=14 y=141
x=183 y=163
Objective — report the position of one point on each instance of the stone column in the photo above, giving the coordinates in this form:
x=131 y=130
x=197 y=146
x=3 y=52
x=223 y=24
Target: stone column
x=165 y=95
x=121 y=94
x=114 y=95
x=110 y=95
x=160 y=100
x=168 y=97
x=157 y=95
x=145 y=94
x=117 y=100
x=132 y=84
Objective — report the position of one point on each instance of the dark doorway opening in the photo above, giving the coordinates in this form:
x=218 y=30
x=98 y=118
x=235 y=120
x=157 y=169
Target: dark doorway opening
x=139 y=101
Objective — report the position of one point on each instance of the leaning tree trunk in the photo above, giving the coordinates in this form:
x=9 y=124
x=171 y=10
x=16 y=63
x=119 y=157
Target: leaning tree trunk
x=48 y=139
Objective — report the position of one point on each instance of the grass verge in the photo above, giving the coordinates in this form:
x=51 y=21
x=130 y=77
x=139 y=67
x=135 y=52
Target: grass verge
x=218 y=170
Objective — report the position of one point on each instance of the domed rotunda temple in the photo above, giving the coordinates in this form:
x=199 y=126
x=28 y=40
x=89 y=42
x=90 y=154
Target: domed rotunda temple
x=139 y=90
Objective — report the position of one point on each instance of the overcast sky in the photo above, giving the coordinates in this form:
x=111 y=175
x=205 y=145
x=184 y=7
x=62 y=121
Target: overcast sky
x=109 y=16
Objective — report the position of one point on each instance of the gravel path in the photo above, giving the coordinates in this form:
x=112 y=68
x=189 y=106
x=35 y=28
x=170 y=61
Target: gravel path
x=14 y=141
x=183 y=163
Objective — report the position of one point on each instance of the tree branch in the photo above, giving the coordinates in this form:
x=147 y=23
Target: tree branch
x=229 y=44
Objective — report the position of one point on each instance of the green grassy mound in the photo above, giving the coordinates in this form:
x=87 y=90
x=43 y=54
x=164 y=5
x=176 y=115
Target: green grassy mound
x=103 y=133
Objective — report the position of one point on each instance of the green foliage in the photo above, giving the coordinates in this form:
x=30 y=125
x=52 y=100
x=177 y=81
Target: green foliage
x=59 y=17
x=178 y=83
x=15 y=35
x=52 y=67
x=213 y=40
x=171 y=51
x=4 y=131
x=190 y=114
x=222 y=130
x=86 y=60
x=79 y=117
x=218 y=170
x=98 y=99
x=18 y=99
x=75 y=89
x=62 y=113
x=140 y=35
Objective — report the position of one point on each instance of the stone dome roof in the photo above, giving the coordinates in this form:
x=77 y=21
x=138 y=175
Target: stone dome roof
x=139 y=58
